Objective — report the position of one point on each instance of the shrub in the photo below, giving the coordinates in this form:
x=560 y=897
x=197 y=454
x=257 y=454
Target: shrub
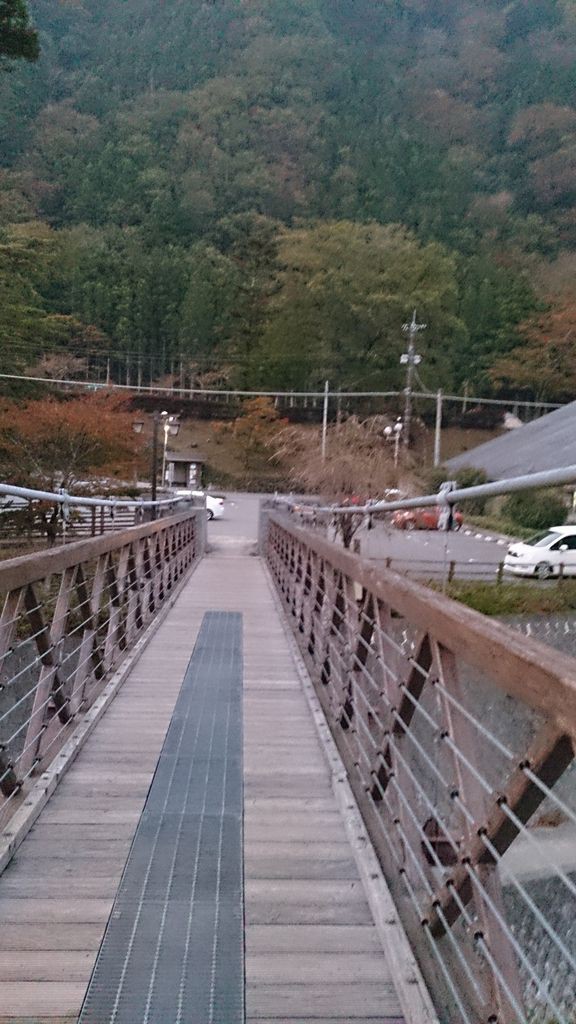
x=514 y=598
x=468 y=476
x=536 y=510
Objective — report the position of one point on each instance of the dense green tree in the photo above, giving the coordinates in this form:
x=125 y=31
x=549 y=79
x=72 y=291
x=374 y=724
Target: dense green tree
x=18 y=40
x=493 y=300
x=27 y=326
x=185 y=152
x=206 y=313
x=344 y=291
x=250 y=242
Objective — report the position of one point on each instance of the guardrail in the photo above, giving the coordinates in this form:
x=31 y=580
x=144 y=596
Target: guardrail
x=25 y=523
x=61 y=516
x=69 y=616
x=457 y=735
x=447 y=570
x=437 y=570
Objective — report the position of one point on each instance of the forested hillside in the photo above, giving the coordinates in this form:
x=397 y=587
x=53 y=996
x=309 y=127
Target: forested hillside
x=262 y=190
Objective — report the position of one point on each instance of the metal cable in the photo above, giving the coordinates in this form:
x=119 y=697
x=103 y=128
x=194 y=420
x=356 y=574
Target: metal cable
x=529 y=902
x=549 y=793
x=342 y=654
x=516 y=945
x=126 y=592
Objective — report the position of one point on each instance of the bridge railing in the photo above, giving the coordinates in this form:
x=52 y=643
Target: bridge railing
x=69 y=616
x=458 y=736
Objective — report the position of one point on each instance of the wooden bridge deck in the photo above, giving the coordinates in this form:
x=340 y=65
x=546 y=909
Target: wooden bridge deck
x=312 y=950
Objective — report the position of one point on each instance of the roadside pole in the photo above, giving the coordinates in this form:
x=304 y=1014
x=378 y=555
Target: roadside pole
x=438 y=430
x=411 y=360
x=325 y=420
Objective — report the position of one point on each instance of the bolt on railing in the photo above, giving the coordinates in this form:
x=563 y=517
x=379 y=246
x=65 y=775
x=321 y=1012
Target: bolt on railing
x=68 y=617
x=457 y=735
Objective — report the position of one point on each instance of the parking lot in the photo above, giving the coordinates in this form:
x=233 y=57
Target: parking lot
x=429 y=553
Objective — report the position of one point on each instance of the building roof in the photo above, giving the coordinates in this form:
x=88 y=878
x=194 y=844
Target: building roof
x=545 y=443
x=185 y=457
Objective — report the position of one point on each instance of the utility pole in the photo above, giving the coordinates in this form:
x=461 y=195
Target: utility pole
x=438 y=431
x=410 y=359
x=325 y=420
x=154 y=466
x=465 y=398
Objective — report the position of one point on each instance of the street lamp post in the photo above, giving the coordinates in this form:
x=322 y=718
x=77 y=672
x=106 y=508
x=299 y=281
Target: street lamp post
x=393 y=434
x=137 y=427
x=171 y=427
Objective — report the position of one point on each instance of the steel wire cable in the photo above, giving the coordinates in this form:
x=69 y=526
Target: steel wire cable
x=471 y=718
x=40 y=658
x=468 y=920
x=344 y=657
x=122 y=610
x=516 y=945
x=535 y=910
x=523 y=830
x=425 y=797
x=407 y=846
x=549 y=793
x=409 y=734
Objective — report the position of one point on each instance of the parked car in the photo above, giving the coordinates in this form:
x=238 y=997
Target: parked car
x=214 y=506
x=423 y=518
x=547 y=554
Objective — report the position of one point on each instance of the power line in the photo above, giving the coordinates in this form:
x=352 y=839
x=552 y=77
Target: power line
x=192 y=392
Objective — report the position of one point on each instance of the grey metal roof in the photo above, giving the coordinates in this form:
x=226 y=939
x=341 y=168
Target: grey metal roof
x=185 y=457
x=545 y=443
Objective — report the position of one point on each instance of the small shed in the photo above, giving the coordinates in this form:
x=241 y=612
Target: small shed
x=184 y=469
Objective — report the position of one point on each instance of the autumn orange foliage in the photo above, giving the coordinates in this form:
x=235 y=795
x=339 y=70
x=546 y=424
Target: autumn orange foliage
x=255 y=429
x=49 y=443
x=546 y=363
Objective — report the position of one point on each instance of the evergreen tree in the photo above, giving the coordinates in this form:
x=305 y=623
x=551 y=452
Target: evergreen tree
x=18 y=40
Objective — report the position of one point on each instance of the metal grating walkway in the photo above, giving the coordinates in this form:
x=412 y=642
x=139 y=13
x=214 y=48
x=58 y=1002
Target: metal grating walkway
x=173 y=951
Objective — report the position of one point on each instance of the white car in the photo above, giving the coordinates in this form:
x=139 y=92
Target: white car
x=214 y=506
x=547 y=554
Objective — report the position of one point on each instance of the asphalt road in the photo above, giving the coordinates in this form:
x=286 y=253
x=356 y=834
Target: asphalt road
x=238 y=528
x=422 y=553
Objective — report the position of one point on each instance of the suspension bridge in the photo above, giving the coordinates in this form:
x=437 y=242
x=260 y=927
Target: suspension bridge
x=259 y=780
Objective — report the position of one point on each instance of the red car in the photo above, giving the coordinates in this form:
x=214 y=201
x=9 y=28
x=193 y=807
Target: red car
x=422 y=519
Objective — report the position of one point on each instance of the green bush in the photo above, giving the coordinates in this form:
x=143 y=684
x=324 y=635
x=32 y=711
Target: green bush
x=465 y=477
x=536 y=510
x=434 y=477
x=514 y=598
x=470 y=477
x=245 y=481
x=497 y=524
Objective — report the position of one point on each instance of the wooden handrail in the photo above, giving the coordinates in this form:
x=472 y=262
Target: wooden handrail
x=541 y=677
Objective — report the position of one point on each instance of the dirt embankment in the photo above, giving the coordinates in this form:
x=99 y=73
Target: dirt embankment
x=226 y=465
